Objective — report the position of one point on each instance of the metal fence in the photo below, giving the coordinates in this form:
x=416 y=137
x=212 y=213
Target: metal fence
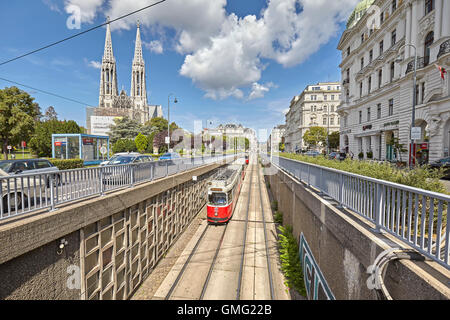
x=20 y=194
x=415 y=216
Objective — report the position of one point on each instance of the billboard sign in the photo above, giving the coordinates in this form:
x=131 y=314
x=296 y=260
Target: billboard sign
x=100 y=125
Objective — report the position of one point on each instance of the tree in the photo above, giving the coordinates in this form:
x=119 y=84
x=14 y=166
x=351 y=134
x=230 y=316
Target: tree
x=18 y=113
x=315 y=136
x=141 y=143
x=333 y=140
x=50 y=114
x=41 y=142
x=124 y=128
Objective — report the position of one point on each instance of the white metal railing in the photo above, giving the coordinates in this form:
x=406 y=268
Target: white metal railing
x=415 y=216
x=20 y=194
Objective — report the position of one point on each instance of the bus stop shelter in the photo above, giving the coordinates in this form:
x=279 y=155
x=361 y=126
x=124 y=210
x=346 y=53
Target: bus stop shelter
x=92 y=149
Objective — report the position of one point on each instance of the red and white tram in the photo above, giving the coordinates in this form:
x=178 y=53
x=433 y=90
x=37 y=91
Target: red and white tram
x=223 y=193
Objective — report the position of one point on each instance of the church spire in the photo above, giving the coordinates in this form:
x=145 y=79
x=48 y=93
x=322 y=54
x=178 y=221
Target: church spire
x=138 y=58
x=108 y=76
x=138 y=83
x=108 y=54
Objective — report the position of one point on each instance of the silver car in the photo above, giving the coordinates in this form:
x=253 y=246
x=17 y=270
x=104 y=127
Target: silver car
x=24 y=181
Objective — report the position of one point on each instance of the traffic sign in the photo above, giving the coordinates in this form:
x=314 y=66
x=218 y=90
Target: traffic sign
x=416 y=133
x=103 y=150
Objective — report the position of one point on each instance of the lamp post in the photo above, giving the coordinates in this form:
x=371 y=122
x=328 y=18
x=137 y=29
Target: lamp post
x=168 y=119
x=413 y=117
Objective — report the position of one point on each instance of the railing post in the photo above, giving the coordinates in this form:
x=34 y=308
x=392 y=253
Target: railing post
x=341 y=191
x=52 y=195
x=102 y=187
x=379 y=207
x=131 y=176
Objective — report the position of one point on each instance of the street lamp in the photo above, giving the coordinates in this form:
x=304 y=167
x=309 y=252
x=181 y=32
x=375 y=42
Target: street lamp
x=168 y=119
x=413 y=117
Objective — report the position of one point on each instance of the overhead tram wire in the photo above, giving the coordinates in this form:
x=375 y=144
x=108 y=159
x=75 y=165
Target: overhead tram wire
x=80 y=33
x=46 y=92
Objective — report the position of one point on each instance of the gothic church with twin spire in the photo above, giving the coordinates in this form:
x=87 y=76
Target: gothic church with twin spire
x=115 y=104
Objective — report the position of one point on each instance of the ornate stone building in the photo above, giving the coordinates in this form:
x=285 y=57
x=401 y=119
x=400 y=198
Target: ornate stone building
x=316 y=106
x=378 y=49
x=111 y=103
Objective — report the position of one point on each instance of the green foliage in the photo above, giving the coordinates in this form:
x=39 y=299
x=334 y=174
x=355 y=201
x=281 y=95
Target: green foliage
x=41 y=142
x=278 y=218
x=315 y=136
x=333 y=140
x=290 y=260
x=67 y=164
x=141 y=143
x=274 y=205
x=124 y=128
x=124 y=145
x=419 y=177
x=18 y=115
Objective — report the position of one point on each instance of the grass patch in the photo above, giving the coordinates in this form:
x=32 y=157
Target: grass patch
x=290 y=260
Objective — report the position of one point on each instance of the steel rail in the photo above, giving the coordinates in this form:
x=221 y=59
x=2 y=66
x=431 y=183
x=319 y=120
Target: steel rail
x=241 y=268
x=269 y=270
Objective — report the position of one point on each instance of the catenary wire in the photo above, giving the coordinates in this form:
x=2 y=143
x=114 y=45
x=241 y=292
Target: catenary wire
x=80 y=33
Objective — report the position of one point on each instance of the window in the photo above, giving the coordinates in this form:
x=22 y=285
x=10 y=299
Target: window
x=379 y=111
x=423 y=93
x=381 y=18
x=360 y=117
x=325 y=109
x=370 y=55
x=368 y=114
x=332 y=109
x=313 y=97
x=362 y=63
x=392 y=71
x=360 y=89
x=348 y=51
x=332 y=97
x=329 y=88
x=370 y=84
x=429 y=39
x=394 y=5
x=324 y=120
x=380 y=77
x=391 y=107
x=429 y=6
x=332 y=121
x=325 y=97
x=362 y=38
x=393 y=37
x=381 y=47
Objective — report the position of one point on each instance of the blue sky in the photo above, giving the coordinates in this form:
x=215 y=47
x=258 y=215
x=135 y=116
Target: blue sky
x=208 y=85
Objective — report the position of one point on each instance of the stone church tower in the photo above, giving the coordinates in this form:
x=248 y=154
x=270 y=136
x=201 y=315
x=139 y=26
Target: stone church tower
x=112 y=103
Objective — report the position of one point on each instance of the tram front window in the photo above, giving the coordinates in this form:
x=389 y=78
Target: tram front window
x=218 y=199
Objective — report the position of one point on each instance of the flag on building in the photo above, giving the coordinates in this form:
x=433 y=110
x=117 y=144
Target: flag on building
x=442 y=70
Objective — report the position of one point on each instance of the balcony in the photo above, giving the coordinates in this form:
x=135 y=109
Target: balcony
x=420 y=64
x=445 y=48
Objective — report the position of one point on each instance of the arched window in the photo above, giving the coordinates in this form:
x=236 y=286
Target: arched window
x=429 y=39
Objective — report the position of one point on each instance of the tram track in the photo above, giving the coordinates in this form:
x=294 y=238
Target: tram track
x=204 y=247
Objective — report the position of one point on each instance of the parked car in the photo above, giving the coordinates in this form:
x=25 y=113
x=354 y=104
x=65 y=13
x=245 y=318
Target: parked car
x=312 y=153
x=169 y=157
x=442 y=163
x=19 y=190
x=333 y=155
x=341 y=156
x=118 y=175
x=118 y=157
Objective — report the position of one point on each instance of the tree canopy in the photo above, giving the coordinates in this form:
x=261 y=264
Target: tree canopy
x=315 y=136
x=18 y=113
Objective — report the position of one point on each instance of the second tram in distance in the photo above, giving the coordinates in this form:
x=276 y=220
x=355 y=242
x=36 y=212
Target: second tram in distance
x=223 y=192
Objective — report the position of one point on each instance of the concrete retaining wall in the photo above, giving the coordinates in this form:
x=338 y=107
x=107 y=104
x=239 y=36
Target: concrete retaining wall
x=111 y=243
x=343 y=246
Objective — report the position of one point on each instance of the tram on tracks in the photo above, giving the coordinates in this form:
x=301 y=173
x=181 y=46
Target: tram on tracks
x=223 y=193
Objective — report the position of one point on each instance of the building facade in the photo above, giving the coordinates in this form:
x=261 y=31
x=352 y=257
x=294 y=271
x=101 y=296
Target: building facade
x=111 y=103
x=378 y=53
x=316 y=106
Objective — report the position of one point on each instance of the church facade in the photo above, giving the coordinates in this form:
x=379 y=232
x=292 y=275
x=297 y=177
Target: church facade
x=113 y=104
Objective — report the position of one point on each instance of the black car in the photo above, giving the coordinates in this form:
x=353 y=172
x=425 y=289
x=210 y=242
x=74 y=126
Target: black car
x=442 y=163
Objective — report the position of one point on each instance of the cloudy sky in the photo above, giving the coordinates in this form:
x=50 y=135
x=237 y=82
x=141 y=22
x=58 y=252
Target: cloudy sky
x=225 y=60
